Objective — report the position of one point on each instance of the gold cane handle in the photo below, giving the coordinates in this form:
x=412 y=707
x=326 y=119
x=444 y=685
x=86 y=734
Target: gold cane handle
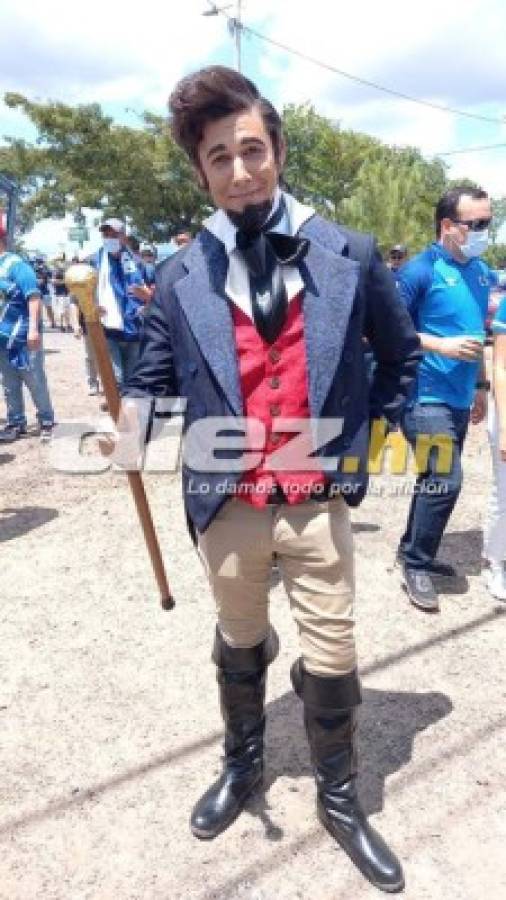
x=81 y=280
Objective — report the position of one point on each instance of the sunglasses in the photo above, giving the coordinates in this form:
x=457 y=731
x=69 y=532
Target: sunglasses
x=473 y=224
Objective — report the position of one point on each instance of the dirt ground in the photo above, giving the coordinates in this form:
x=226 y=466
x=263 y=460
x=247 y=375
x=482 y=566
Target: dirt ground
x=109 y=720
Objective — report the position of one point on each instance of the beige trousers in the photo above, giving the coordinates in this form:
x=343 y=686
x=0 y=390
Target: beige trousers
x=314 y=549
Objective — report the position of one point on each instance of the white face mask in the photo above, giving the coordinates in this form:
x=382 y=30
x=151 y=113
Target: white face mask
x=476 y=244
x=112 y=245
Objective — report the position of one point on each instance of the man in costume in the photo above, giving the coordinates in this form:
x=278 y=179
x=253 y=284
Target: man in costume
x=262 y=317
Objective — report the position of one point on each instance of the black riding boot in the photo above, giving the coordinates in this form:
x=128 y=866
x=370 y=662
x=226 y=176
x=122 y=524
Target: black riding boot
x=329 y=717
x=241 y=677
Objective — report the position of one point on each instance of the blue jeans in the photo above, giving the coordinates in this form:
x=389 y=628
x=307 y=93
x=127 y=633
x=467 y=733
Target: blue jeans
x=124 y=355
x=436 y=492
x=35 y=380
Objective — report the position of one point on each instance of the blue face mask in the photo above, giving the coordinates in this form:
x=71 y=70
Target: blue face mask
x=476 y=244
x=112 y=245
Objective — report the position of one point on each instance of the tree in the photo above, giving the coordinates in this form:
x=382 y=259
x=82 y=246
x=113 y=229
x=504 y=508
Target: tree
x=499 y=211
x=496 y=256
x=323 y=162
x=394 y=197
x=82 y=159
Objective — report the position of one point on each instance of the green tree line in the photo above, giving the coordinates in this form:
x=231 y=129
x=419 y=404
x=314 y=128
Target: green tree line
x=82 y=159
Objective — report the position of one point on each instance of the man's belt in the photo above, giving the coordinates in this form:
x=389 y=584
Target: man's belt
x=319 y=492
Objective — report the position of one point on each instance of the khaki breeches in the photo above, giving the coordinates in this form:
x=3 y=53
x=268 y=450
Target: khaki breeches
x=314 y=548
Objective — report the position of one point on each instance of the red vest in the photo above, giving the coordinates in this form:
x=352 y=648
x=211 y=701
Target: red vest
x=274 y=384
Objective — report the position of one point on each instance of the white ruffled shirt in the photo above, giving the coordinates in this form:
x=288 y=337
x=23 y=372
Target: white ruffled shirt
x=237 y=283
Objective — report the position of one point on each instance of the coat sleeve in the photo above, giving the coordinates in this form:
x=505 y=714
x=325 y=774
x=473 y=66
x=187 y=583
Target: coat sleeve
x=154 y=374
x=393 y=339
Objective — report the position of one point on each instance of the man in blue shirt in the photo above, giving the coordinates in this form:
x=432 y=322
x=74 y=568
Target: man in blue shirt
x=446 y=289
x=148 y=257
x=21 y=357
x=122 y=294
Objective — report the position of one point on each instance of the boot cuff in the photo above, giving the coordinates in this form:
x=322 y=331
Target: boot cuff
x=245 y=659
x=328 y=694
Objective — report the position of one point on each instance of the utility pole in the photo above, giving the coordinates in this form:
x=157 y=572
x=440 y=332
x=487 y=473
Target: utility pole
x=234 y=25
x=10 y=189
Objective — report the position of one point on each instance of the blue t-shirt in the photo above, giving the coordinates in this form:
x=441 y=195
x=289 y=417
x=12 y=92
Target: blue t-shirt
x=446 y=299
x=22 y=277
x=18 y=283
x=498 y=324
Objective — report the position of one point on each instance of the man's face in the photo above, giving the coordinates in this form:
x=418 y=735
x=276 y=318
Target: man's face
x=237 y=161
x=396 y=260
x=108 y=232
x=454 y=234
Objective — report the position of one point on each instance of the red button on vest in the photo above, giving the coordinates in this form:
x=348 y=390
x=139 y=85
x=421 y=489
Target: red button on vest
x=274 y=386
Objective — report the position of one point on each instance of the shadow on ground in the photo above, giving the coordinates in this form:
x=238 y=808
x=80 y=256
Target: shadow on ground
x=388 y=724
x=367 y=527
x=17 y=521
x=463 y=549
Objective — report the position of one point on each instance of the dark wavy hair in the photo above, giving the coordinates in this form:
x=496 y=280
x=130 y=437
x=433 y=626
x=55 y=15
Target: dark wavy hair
x=211 y=94
x=448 y=205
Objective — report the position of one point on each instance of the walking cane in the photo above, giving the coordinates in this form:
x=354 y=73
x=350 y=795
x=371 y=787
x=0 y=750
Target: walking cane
x=81 y=280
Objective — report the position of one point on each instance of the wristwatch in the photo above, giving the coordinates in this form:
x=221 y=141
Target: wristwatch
x=483 y=385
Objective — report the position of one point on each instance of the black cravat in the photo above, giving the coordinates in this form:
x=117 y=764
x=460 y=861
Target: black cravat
x=264 y=253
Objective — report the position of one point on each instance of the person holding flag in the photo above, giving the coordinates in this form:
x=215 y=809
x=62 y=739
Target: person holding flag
x=121 y=295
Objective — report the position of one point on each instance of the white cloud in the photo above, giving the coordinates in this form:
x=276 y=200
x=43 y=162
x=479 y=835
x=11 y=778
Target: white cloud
x=450 y=53
x=102 y=49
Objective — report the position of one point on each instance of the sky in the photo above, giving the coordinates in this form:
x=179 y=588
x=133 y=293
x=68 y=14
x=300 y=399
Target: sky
x=448 y=53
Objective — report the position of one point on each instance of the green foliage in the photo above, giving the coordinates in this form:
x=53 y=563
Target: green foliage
x=358 y=180
x=323 y=162
x=82 y=159
x=394 y=197
x=496 y=256
x=499 y=211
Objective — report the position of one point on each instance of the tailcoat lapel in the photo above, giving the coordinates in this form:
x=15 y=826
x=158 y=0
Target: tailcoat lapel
x=202 y=297
x=330 y=282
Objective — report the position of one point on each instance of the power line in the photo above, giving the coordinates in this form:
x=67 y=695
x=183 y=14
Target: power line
x=364 y=81
x=472 y=149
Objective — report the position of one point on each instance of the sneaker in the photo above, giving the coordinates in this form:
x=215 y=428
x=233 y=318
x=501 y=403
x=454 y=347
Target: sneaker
x=11 y=433
x=93 y=390
x=444 y=570
x=45 y=433
x=495 y=579
x=420 y=589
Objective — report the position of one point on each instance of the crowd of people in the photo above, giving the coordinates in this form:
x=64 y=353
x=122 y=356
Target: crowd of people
x=270 y=312
x=452 y=322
